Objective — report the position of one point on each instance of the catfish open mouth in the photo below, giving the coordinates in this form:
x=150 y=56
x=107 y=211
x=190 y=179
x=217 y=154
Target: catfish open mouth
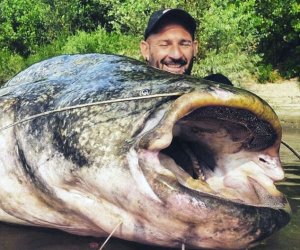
x=227 y=149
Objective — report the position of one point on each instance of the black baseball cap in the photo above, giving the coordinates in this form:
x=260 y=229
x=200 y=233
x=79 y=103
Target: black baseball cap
x=179 y=15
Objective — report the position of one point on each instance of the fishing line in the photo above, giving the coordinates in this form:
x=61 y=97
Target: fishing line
x=291 y=149
x=88 y=105
x=110 y=235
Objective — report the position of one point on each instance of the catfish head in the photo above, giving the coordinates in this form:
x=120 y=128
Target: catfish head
x=93 y=141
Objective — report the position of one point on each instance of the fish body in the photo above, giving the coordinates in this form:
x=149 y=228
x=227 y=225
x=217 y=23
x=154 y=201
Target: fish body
x=92 y=141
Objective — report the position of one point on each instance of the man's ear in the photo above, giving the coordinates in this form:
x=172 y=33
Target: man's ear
x=195 y=45
x=144 y=47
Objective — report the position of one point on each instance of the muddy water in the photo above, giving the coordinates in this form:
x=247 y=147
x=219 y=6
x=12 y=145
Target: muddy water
x=26 y=238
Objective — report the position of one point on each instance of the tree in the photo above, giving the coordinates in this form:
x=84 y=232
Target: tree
x=280 y=28
x=23 y=25
x=228 y=39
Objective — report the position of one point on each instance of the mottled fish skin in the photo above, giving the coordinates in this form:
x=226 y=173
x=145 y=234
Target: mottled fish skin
x=79 y=170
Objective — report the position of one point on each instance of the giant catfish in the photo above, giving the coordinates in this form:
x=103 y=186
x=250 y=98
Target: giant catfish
x=92 y=141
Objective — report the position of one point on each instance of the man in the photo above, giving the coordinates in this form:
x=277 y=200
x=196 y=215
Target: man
x=169 y=41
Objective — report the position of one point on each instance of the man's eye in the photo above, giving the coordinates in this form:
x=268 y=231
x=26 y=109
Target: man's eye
x=163 y=44
x=186 y=44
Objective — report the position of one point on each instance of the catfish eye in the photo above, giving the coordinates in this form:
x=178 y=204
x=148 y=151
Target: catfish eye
x=145 y=92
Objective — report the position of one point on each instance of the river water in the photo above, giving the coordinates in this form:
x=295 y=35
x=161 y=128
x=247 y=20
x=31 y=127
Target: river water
x=26 y=238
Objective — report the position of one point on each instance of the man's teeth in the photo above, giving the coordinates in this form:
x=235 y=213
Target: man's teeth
x=174 y=65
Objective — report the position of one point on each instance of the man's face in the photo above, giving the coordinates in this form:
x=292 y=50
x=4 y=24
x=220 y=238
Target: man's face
x=171 y=49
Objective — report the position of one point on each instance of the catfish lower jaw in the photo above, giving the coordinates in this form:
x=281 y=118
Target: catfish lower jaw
x=235 y=186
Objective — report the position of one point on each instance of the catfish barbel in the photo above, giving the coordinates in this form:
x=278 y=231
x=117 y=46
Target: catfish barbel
x=92 y=141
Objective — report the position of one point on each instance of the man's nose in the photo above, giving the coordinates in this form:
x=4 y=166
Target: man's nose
x=175 y=52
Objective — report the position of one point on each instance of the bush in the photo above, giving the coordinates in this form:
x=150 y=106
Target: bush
x=266 y=73
x=46 y=51
x=228 y=39
x=72 y=15
x=131 y=16
x=281 y=27
x=235 y=64
x=101 y=41
x=10 y=65
x=24 y=25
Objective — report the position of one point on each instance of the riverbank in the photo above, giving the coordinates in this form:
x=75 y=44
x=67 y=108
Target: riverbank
x=283 y=97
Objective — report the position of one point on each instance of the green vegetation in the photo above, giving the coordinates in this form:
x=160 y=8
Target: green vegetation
x=252 y=39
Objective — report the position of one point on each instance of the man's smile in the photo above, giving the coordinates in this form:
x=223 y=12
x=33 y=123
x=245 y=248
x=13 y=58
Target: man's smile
x=174 y=67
